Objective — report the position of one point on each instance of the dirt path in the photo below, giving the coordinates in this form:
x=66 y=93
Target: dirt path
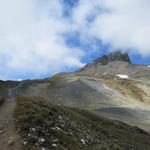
x=9 y=139
x=12 y=91
x=8 y=135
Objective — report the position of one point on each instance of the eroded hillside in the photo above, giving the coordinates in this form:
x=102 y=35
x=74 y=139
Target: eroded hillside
x=104 y=95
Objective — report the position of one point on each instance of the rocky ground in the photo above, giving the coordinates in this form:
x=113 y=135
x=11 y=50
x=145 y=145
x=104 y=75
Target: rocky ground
x=43 y=125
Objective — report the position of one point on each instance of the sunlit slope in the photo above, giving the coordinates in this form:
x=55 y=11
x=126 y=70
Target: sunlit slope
x=104 y=95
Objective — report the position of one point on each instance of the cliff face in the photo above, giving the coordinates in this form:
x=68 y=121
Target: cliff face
x=112 y=57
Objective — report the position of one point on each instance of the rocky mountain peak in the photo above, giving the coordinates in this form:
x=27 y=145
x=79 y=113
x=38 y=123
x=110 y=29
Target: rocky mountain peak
x=114 y=56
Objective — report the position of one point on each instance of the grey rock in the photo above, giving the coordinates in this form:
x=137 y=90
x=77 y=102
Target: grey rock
x=102 y=60
x=1 y=131
x=119 y=56
x=114 y=56
x=11 y=141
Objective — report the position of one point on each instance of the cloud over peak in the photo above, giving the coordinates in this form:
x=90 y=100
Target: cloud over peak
x=32 y=32
x=122 y=24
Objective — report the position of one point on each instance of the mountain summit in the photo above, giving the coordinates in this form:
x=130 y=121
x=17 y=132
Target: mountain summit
x=114 y=64
x=114 y=56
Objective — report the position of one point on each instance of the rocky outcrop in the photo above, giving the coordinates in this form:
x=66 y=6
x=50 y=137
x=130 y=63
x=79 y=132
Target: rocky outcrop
x=102 y=60
x=119 y=56
x=114 y=56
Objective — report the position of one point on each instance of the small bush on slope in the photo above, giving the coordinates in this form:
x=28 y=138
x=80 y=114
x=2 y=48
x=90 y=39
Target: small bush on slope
x=2 y=99
x=44 y=126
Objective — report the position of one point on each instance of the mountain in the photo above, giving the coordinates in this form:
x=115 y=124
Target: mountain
x=111 y=87
x=116 y=63
x=115 y=56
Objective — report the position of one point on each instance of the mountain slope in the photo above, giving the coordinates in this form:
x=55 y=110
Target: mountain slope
x=59 y=127
x=98 y=94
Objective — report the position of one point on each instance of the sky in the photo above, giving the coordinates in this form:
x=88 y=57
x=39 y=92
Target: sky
x=39 y=38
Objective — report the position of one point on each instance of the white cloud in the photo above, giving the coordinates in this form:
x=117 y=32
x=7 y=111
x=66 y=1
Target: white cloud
x=31 y=41
x=121 y=23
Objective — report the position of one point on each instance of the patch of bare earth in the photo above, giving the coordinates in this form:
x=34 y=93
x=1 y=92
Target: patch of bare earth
x=126 y=87
x=9 y=139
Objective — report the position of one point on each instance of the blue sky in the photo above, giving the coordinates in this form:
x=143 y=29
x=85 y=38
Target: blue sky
x=41 y=38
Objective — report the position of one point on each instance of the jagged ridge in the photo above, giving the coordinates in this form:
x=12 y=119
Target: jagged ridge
x=114 y=56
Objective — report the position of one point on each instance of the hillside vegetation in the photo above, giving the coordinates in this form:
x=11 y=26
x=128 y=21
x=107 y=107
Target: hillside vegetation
x=2 y=99
x=45 y=126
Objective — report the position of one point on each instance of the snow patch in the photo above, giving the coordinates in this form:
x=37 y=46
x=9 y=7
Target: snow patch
x=122 y=76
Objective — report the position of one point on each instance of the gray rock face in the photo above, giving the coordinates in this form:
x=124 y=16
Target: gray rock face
x=119 y=56
x=114 y=56
x=102 y=60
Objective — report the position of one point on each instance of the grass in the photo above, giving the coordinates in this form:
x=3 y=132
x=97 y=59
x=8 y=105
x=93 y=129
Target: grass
x=46 y=126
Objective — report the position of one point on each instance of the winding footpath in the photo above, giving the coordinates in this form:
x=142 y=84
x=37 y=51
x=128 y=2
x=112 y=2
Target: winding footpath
x=8 y=136
x=11 y=92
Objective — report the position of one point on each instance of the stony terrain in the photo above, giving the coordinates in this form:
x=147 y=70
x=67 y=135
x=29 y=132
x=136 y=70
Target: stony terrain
x=111 y=87
x=46 y=126
x=97 y=93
